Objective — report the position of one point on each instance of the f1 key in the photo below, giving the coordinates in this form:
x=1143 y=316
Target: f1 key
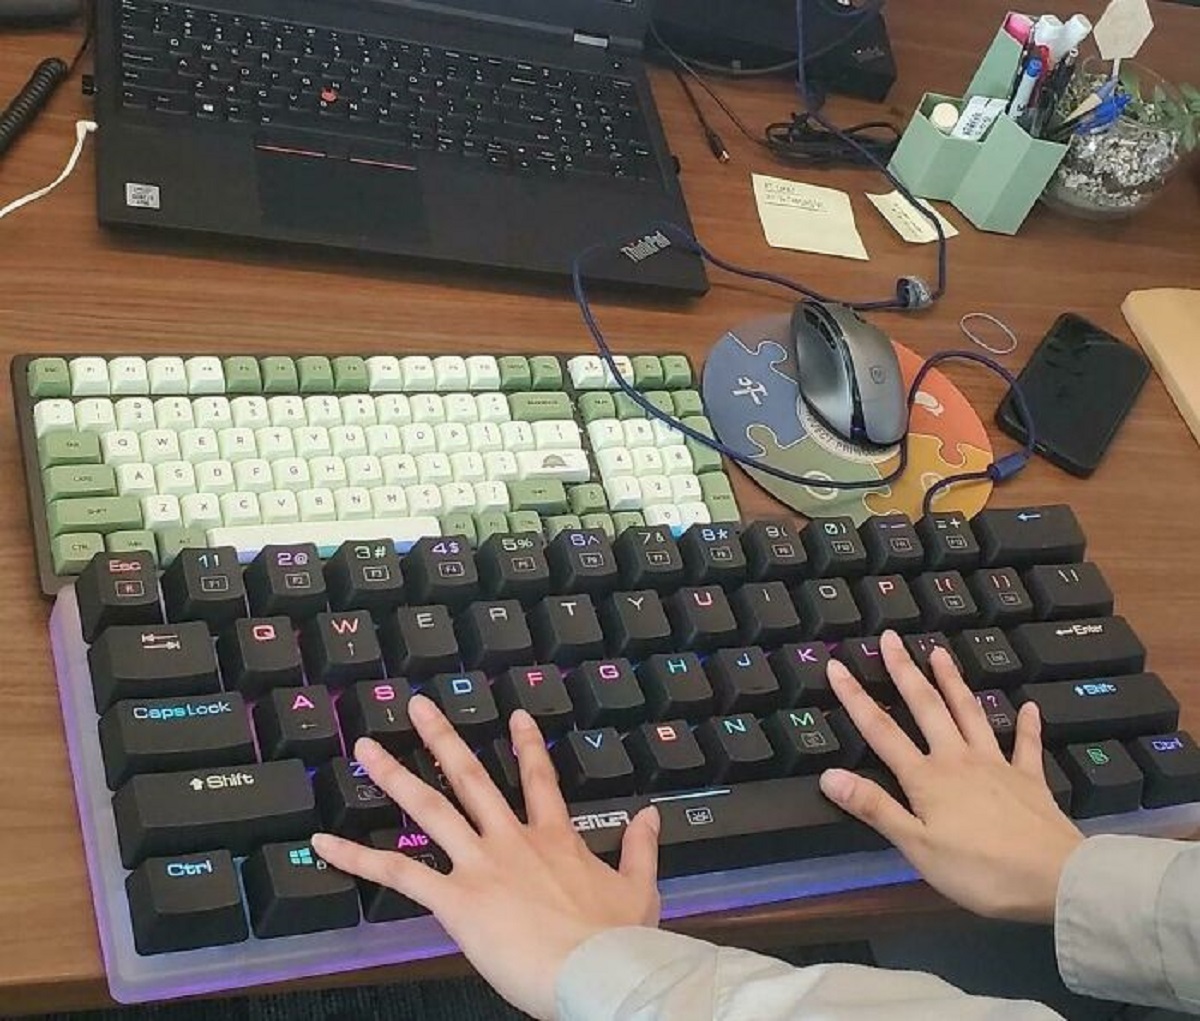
x=1024 y=536
x=117 y=588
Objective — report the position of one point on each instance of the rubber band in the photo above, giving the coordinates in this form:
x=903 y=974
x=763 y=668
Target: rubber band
x=1001 y=326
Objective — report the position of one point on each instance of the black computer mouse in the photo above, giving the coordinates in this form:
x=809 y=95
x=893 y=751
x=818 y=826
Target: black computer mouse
x=849 y=374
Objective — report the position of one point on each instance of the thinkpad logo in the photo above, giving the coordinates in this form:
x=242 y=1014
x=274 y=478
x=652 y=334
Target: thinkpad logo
x=650 y=245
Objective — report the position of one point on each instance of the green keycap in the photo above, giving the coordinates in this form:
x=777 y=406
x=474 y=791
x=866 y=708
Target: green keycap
x=490 y=523
x=647 y=372
x=49 y=377
x=704 y=459
x=132 y=542
x=688 y=403
x=661 y=400
x=627 y=407
x=602 y=521
x=546 y=371
x=68 y=448
x=588 y=498
x=316 y=374
x=524 y=521
x=515 y=374
x=461 y=523
x=72 y=553
x=71 y=480
x=677 y=372
x=529 y=407
x=542 y=496
x=560 y=523
x=279 y=375
x=596 y=405
x=627 y=519
x=101 y=514
x=172 y=540
x=242 y=375
x=718 y=497
x=350 y=375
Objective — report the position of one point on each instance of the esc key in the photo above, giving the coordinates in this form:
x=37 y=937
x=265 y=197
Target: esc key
x=117 y=588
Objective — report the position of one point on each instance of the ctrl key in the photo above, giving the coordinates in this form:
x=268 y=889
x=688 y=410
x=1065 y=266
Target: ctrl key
x=185 y=902
x=1171 y=763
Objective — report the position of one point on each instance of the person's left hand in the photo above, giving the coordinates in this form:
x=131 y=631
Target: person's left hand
x=521 y=897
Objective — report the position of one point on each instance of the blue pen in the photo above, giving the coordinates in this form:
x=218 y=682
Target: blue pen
x=1104 y=115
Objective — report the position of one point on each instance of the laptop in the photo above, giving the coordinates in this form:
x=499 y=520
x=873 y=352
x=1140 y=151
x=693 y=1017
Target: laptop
x=509 y=134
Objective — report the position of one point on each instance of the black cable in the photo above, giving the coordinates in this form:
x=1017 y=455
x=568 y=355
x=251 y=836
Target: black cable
x=716 y=144
x=89 y=27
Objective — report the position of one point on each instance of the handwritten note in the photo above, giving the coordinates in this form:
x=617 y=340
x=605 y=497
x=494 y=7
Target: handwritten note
x=908 y=221
x=805 y=218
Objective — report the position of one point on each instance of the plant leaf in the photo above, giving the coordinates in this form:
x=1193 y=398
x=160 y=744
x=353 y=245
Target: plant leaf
x=1192 y=93
x=1130 y=81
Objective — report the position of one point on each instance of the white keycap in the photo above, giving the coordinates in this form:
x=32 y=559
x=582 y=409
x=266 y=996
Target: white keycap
x=686 y=489
x=323 y=411
x=136 y=480
x=384 y=375
x=614 y=462
x=135 y=414
x=327 y=472
x=174 y=413
x=564 y=465
x=485 y=437
x=327 y=535
x=177 y=478
x=428 y=408
x=623 y=492
x=279 y=507
x=274 y=442
x=450 y=373
x=95 y=414
x=212 y=412
x=312 y=441
x=458 y=496
x=694 y=514
x=655 y=489
x=254 y=475
x=348 y=440
x=238 y=509
x=418 y=374
x=638 y=433
x=587 y=372
x=364 y=470
x=434 y=469
x=557 y=436
x=468 y=467
x=460 y=408
x=418 y=439
x=517 y=436
x=121 y=447
x=291 y=473
x=352 y=503
x=250 y=412
x=624 y=367
x=167 y=376
x=205 y=375
x=89 y=377
x=383 y=440
x=287 y=411
x=316 y=505
x=358 y=409
x=452 y=438
x=501 y=466
x=491 y=496
x=236 y=444
x=666 y=435
x=400 y=470
x=676 y=460
x=215 y=477
x=393 y=409
x=54 y=415
x=128 y=377
x=483 y=373
x=159 y=445
x=200 y=510
x=492 y=408
x=160 y=512
x=424 y=499
x=388 y=502
x=648 y=461
x=605 y=433
x=664 y=514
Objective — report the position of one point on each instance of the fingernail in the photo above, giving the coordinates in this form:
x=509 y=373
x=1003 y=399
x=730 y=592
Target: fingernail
x=367 y=748
x=421 y=708
x=654 y=820
x=837 y=670
x=521 y=720
x=320 y=840
x=837 y=784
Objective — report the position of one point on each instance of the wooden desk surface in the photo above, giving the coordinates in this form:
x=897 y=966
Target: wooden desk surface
x=65 y=286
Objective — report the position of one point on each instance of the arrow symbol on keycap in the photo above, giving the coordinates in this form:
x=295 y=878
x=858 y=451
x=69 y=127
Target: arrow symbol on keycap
x=1026 y=516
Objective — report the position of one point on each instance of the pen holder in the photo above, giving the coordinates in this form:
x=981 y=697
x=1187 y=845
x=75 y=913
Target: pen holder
x=995 y=74
x=928 y=161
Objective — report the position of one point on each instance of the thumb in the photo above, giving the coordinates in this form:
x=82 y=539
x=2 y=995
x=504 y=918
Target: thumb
x=869 y=803
x=639 y=847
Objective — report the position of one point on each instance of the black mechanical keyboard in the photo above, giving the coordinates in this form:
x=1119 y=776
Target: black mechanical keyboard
x=210 y=712
x=506 y=115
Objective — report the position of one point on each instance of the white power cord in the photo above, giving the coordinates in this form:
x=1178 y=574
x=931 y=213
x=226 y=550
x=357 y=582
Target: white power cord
x=82 y=130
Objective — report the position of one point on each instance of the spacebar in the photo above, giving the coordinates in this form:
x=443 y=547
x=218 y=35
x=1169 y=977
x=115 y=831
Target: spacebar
x=327 y=535
x=731 y=827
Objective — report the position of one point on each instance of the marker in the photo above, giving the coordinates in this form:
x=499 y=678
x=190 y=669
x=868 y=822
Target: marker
x=1020 y=102
x=1019 y=27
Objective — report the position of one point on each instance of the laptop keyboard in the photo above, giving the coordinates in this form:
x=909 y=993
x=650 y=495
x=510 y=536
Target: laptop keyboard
x=505 y=115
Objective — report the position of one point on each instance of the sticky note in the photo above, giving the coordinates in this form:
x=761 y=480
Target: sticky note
x=806 y=218
x=907 y=220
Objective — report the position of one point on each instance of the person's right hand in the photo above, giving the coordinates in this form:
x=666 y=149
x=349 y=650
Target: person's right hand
x=985 y=833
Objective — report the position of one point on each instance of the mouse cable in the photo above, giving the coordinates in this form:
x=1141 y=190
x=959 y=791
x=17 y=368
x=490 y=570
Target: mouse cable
x=998 y=471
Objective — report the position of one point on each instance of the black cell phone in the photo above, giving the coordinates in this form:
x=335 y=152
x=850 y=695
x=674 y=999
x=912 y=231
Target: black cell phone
x=1079 y=384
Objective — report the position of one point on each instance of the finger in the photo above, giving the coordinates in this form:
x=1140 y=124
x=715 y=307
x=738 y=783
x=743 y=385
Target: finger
x=869 y=803
x=969 y=715
x=430 y=809
x=922 y=699
x=387 y=868
x=1027 y=749
x=475 y=790
x=544 y=803
x=639 y=847
x=878 y=729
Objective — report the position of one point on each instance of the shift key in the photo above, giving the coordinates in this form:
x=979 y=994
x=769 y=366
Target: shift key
x=152 y=661
x=238 y=808
x=103 y=514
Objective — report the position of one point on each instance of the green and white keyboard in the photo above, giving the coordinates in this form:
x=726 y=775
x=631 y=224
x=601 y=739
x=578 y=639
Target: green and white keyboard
x=129 y=453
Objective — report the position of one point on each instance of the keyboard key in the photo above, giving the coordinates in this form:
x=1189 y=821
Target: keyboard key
x=834 y=548
x=165 y=734
x=648 y=557
x=944 y=600
x=1068 y=591
x=774 y=552
x=566 y=630
x=101 y=514
x=297 y=723
x=1104 y=779
x=500 y=761
x=892 y=544
x=1001 y=716
x=185 y=902
x=803 y=741
x=765 y=614
x=1001 y=597
x=350 y=803
x=801 y=668
x=340 y=648
x=259 y=654
x=605 y=693
x=701 y=618
x=666 y=756
x=442 y=570
x=466 y=700
x=736 y=748
x=1064 y=650
x=419 y=641
x=887 y=603
x=238 y=808
x=205 y=584
x=582 y=560
x=593 y=764
x=118 y=589
x=987 y=659
x=291 y=891
x=378 y=710
x=675 y=684
x=1108 y=707
x=325 y=533
x=365 y=576
x=862 y=658
x=827 y=609
x=920 y=647
x=494 y=636
x=635 y=624
x=743 y=681
x=540 y=691
x=948 y=541
x=152 y=662
x=286 y=581
x=513 y=567
x=1056 y=780
x=1171 y=764
x=712 y=555
x=383 y=904
x=1021 y=537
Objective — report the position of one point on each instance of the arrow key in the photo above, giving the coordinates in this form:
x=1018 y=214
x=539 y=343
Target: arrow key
x=297 y=723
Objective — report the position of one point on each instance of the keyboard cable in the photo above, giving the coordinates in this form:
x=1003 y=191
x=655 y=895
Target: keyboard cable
x=83 y=129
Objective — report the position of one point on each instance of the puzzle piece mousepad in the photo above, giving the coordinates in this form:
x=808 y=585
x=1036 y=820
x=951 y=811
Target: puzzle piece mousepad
x=753 y=401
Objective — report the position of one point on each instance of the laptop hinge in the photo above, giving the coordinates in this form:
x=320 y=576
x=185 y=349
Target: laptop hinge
x=591 y=39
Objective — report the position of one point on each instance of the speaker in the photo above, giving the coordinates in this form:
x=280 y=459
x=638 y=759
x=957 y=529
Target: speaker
x=20 y=12
x=845 y=52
